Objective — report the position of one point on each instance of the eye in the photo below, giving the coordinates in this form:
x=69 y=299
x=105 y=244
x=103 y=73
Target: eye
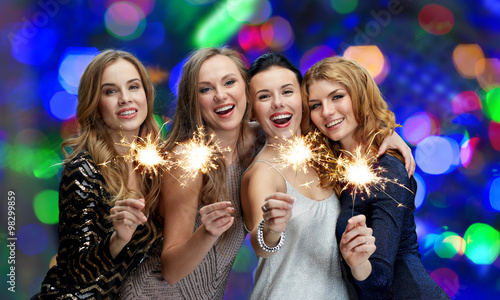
x=263 y=97
x=287 y=92
x=229 y=82
x=336 y=97
x=109 y=92
x=134 y=87
x=314 y=106
x=204 y=90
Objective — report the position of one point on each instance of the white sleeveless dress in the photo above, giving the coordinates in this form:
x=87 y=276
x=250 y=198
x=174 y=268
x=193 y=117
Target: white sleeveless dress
x=308 y=264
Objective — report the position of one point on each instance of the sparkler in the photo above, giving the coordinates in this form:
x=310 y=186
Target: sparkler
x=198 y=155
x=299 y=152
x=358 y=170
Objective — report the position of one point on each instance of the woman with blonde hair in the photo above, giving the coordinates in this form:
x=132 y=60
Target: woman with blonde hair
x=203 y=224
x=107 y=209
x=346 y=106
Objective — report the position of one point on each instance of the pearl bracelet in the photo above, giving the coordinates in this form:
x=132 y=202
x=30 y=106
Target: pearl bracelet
x=260 y=239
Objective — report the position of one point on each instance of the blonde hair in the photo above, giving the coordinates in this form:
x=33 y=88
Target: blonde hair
x=93 y=136
x=375 y=120
x=188 y=118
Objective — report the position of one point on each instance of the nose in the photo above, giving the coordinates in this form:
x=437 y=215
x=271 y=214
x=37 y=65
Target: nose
x=220 y=95
x=277 y=102
x=328 y=109
x=125 y=97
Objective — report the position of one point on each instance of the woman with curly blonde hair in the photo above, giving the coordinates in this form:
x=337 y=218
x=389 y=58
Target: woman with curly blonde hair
x=107 y=209
x=343 y=102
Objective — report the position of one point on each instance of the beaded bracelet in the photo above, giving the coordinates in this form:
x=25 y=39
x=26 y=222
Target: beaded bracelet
x=262 y=244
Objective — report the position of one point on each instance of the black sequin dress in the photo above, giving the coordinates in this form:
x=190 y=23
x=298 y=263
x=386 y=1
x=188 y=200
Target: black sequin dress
x=397 y=270
x=85 y=268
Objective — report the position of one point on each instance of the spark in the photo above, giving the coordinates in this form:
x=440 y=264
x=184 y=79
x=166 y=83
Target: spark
x=358 y=170
x=146 y=153
x=299 y=152
x=198 y=154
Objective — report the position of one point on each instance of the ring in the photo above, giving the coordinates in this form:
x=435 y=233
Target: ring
x=264 y=208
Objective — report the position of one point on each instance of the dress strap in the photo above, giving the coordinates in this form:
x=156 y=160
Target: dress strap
x=272 y=165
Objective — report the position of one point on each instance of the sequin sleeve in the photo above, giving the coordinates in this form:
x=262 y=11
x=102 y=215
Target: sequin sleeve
x=85 y=267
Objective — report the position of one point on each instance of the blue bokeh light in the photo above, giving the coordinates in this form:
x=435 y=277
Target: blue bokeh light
x=32 y=239
x=63 y=105
x=33 y=47
x=73 y=63
x=437 y=155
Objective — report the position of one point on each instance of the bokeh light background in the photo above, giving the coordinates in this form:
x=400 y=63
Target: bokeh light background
x=437 y=63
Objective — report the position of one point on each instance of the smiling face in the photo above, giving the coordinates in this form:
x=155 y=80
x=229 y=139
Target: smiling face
x=221 y=94
x=122 y=105
x=277 y=103
x=331 y=111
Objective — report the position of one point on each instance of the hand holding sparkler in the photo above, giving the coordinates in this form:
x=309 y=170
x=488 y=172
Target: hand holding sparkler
x=217 y=217
x=277 y=211
x=357 y=245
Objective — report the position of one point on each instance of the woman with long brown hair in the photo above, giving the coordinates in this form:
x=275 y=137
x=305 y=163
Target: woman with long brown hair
x=107 y=210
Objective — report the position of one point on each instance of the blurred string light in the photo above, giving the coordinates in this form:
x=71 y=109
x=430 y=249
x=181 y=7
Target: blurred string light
x=437 y=155
x=465 y=102
x=125 y=20
x=494 y=193
x=421 y=191
x=63 y=105
x=448 y=280
x=488 y=73
x=483 y=243
x=175 y=78
x=465 y=57
x=215 y=29
x=71 y=66
x=46 y=206
x=344 y=6
x=436 y=19
x=467 y=151
x=35 y=48
x=276 y=35
x=146 y=6
x=494 y=135
x=314 y=55
x=492 y=104
x=32 y=239
x=372 y=59
x=449 y=244
x=419 y=126
x=199 y=2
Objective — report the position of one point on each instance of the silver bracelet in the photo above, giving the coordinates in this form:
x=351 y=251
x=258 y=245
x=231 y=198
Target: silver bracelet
x=262 y=244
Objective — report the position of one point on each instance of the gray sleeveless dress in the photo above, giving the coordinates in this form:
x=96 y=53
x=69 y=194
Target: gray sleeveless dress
x=208 y=280
x=308 y=264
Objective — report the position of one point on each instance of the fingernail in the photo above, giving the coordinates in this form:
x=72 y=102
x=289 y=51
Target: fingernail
x=290 y=205
x=292 y=198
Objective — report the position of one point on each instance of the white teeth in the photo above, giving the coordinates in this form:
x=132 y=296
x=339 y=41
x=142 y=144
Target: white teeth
x=224 y=108
x=333 y=123
x=281 y=117
x=128 y=112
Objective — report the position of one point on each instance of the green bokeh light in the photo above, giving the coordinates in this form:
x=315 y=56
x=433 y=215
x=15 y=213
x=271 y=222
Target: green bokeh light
x=20 y=158
x=45 y=205
x=46 y=163
x=448 y=244
x=492 y=104
x=216 y=29
x=483 y=243
x=242 y=10
x=344 y=6
x=245 y=260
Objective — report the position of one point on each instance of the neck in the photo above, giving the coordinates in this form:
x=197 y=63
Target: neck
x=227 y=139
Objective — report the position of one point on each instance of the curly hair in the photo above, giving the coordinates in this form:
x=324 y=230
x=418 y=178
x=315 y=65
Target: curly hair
x=93 y=137
x=375 y=121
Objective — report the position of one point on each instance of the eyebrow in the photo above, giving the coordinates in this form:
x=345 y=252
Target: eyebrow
x=223 y=78
x=267 y=91
x=328 y=96
x=112 y=84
